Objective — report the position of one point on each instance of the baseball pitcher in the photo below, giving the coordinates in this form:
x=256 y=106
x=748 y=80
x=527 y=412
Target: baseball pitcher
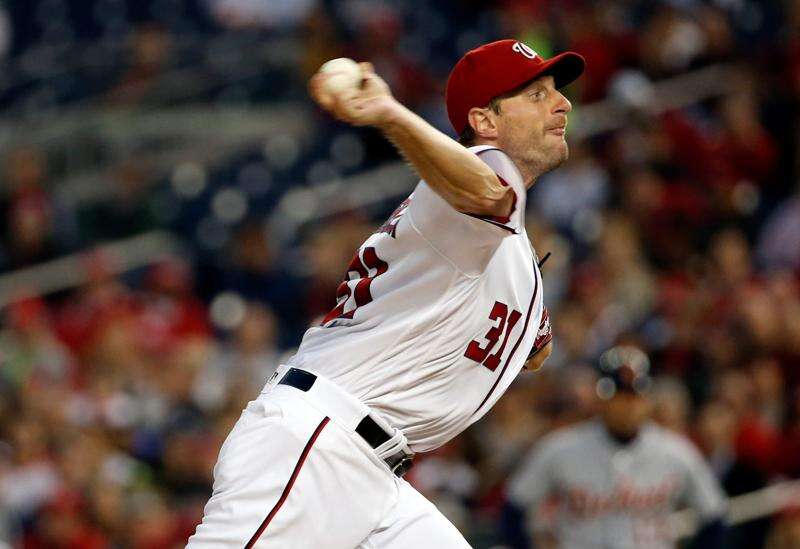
x=437 y=313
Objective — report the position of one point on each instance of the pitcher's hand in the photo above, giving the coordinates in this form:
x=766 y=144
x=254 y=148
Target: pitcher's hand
x=370 y=104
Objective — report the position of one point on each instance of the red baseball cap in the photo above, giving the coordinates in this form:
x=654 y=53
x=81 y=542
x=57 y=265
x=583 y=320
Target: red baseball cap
x=500 y=67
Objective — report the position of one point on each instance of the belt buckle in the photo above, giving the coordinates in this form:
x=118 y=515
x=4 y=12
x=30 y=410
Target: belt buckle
x=402 y=467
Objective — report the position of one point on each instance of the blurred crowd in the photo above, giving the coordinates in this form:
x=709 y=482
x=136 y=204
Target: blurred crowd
x=679 y=232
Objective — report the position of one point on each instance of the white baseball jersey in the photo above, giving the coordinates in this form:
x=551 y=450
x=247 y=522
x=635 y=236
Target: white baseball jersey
x=436 y=315
x=616 y=496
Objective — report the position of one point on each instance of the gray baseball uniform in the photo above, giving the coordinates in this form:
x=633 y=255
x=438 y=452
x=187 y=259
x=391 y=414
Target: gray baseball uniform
x=617 y=496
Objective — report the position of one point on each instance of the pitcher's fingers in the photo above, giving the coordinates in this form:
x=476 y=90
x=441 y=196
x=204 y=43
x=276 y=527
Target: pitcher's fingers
x=360 y=110
x=317 y=92
x=315 y=83
x=374 y=84
x=341 y=111
x=344 y=97
x=366 y=70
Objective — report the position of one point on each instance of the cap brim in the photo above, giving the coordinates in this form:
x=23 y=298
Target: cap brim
x=565 y=68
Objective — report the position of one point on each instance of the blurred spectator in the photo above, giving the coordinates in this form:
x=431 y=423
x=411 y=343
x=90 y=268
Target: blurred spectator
x=127 y=210
x=169 y=311
x=6 y=32
x=29 y=212
x=583 y=180
x=255 y=275
x=245 y=363
x=719 y=437
x=64 y=524
x=149 y=51
x=790 y=445
x=671 y=404
x=30 y=348
x=779 y=243
x=328 y=251
x=32 y=479
x=277 y=14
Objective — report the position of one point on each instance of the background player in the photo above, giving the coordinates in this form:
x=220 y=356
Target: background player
x=616 y=479
x=438 y=311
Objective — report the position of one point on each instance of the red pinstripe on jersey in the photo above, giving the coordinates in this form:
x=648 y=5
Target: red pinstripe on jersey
x=514 y=349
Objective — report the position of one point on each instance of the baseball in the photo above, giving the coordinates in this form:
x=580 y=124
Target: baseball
x=345 y=74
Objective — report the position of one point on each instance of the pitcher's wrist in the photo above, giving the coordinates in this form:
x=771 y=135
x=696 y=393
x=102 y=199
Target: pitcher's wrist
x=397 y=115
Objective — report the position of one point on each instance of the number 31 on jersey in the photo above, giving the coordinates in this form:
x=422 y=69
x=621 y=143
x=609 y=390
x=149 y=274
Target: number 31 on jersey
x=504 y=324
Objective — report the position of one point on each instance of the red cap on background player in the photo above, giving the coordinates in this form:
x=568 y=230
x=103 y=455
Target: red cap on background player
x=500 y=67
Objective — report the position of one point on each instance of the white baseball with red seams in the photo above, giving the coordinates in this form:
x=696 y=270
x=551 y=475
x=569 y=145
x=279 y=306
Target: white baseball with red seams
x=344 y=74
x=435 y=318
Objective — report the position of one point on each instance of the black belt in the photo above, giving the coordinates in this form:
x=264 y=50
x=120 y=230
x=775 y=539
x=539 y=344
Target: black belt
x=367 y=428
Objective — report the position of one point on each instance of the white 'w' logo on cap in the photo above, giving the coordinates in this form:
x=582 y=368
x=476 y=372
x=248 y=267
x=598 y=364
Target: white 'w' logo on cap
x=519 y=47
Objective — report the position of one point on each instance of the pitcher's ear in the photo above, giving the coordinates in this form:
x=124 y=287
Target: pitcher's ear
x=483 y=122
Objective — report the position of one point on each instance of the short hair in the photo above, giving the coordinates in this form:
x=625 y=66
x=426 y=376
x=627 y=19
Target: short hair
x=467 y=137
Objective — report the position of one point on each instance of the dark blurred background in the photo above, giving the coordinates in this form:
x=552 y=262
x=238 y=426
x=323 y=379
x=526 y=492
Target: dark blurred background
x=175 y=212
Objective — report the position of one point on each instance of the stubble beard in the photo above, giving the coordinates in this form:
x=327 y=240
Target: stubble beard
x=535 y=163
x=533 y=159
x=555 y=159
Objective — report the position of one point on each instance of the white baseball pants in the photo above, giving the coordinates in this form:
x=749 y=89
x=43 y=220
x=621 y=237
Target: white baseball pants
x=294 y=475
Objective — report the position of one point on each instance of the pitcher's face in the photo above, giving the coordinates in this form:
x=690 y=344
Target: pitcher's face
x=531 y=126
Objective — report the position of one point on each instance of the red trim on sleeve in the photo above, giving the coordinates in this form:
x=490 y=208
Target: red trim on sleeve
x=495 y=223
x=496 y=219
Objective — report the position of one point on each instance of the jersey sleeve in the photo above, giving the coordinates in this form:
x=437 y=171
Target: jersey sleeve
x=703 y=492
x=468 y=240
